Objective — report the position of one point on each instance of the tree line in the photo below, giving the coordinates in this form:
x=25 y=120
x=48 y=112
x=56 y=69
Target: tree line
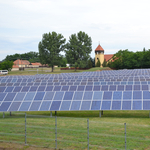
x=125 y=59
x=30 y=56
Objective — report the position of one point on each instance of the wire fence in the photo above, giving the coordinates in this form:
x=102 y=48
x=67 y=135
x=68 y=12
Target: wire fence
x=73 y=133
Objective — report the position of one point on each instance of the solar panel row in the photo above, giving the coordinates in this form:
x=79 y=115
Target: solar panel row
x=107 y=90
x=74 y=105
x=76 y=95
x=77 y=80
x=135 y=72
x=75 y=88
x=74 y=83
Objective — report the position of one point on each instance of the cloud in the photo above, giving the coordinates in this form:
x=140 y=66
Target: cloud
x=116 y=24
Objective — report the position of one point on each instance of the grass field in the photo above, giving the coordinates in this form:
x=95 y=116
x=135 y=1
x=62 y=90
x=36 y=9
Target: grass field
x=106 y=132
x=33 y=71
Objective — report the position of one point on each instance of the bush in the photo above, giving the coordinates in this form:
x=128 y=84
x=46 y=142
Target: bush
x=98 y=64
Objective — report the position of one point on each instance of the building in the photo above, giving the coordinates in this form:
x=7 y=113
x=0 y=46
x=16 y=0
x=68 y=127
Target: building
x=99 y=54
x=24 y=64
x=35 y=65
x=20 y=64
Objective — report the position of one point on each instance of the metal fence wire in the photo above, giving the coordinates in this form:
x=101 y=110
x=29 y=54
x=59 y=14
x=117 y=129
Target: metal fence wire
x=71 y=133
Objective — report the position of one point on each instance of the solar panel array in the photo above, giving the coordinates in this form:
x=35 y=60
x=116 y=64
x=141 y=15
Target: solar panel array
x=105 y=90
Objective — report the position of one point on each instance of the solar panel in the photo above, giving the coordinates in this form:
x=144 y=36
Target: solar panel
x=2 y=89
x=2 y=96
x=116 y=105
x=4 y=106
x=25 y=106
x=146 y=105
x=45 y=106
x=78 y=96
x=117 y=95
x=87 y=95
x=19 y=97
x=96 y=105
x=106 y=105
x=9 y=89
x=55 y=105
x=65 y=105
x=14 y=106
x=49 y=96
x=137 y=105
x=75 y=105
x=29 y=96
x=35 y=106
x=126 y=105
x=9 y=97
x=68 y=95
x=39 y=96
x=105 y=90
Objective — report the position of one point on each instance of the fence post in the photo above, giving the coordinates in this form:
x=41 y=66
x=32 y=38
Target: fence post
x=51 y=114
x=55 y=132
x=3 y=115
x=88 y=133
x=125 y=136
x=100 y=112
x=25 y=131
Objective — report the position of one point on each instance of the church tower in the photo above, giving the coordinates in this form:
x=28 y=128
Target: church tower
x=99 y=54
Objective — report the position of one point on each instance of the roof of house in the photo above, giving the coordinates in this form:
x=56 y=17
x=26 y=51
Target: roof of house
x=36 y=64
x=108 y=56
x=99 y=48
x=21 y=62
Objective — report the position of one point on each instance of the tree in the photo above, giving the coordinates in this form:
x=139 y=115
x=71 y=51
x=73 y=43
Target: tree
x=78 y=49
x=6 y=65
x=50 y=47
x=98 y=64
x=93 y=61
x=104 y=63
x=63 y=61
x=90 y=65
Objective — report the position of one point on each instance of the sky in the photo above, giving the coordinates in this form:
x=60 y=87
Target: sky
x=115 y=24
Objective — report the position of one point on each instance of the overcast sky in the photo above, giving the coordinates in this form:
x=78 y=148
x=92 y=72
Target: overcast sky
x=116 y=24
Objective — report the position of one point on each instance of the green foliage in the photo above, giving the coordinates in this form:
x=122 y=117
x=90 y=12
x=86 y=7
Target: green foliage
x=63 y=61
x=104 y=63
x=109 y=64
x=98 y=64
x=6 y=65
x=78 y=49
x=30 y=56
x=50 y=47
x=93 y=61
x=90 y=65
x=125 y=59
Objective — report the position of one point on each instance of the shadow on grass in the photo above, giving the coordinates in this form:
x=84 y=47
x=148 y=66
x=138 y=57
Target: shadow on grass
x=81 y=114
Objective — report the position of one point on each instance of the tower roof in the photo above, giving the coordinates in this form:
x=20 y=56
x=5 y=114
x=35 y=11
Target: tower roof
x=99 y=48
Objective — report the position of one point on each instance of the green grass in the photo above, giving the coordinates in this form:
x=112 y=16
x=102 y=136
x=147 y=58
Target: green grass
x=106 y=132
x=33 y=71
